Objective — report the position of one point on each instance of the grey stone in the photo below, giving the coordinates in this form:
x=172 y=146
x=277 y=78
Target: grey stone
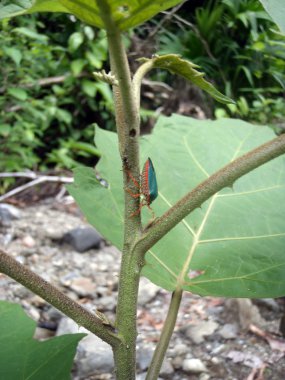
x=8 y=213
x=229 y=331
x=93 y=354
x=194 y=366
x=144 y=356
x=147 y=291
x=197 y=332
x=83 y=238
x=166 y=368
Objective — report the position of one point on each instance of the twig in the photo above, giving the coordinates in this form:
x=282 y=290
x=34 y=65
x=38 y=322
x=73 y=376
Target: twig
x=56 y=298
x=37 y=179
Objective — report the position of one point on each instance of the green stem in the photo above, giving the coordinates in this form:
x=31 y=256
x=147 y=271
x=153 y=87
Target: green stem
x=138 y=77
x=166 y=334
x=55 y=297
x=128 y=127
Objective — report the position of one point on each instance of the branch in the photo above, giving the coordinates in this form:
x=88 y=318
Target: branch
x=167 y=331
x=37 y=179
x=95 y=324
x=224 y=177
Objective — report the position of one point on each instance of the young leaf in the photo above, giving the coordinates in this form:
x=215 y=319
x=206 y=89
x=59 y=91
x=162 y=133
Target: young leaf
x=234 y=244
x=22 y=357
x=186 y=69
x=127 y=14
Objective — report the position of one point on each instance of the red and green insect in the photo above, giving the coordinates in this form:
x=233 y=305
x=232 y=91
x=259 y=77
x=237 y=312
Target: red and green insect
x=148 y=190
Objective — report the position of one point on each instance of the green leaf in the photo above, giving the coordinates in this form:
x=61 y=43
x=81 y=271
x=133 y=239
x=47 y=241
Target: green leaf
x=75 y=40
x=89 y=87
x=18 y=93
x=97 y=201
x=14 y=54
x=30 y=34
x=22 y=357
x=186 y=69
x=235 y=241
x=127 y=14
x=77 y=66
x=276 y=9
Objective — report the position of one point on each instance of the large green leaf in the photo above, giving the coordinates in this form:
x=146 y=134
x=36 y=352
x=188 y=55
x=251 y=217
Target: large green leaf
x=237 y=238
x=276 y=9
x=186 y=69
x=127 y=14
x=22 y=357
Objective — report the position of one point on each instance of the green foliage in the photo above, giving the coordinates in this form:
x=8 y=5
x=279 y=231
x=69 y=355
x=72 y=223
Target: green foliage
x=32 y=359
x=235 y=240
x=48 y=95
x=186 y=69
x=237 y=46
x=126 y=14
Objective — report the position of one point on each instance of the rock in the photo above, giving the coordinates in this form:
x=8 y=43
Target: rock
x=166 y=368
x=142 y=376
x=246 y=312
x=93 y=354
x=197 y=332
x=42 y=334
x=107 y=303
x=8 y=213
x=147 y=291
x=229 y=331
x=83 y=287
x=144 y=356
x=83 y=238
x=204 y=376
x=194 y=366
x=28 y=241
x=181 y=349
x=177 y=362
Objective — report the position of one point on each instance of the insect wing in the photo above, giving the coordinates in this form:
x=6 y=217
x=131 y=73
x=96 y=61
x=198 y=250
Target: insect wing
x=152 y=183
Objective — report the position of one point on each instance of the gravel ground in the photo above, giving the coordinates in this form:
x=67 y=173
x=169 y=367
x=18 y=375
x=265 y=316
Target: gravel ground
x=214 y=338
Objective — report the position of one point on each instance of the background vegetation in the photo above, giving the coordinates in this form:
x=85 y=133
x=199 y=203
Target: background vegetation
x=49 y=100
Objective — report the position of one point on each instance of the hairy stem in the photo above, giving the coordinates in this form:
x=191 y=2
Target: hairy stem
x=138 y=77
x=56 y=298
x=128 y=127
x=224 y=177
x=166 y=334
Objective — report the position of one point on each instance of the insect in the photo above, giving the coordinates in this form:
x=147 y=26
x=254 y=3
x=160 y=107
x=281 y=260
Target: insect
x=148 y=190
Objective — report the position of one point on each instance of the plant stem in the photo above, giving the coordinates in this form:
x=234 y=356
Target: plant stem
x=224 y=177
x=128 y=127
x=56 y=298
x=165 y=336
x=138 y=77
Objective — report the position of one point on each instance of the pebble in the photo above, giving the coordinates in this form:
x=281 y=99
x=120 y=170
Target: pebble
x=83 y=287
x=229 y=331
x=147 y=291
x=197 y=332
x=166 y=368
x=8 y=213
x=194 y=366
x=28 y=241
x=83 y=238
x=93 y=354
x=144 y=356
